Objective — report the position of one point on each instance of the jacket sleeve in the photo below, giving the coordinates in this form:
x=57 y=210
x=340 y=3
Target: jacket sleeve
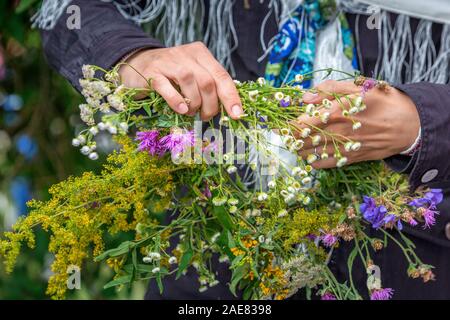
x=430 y=163
x=104 y=37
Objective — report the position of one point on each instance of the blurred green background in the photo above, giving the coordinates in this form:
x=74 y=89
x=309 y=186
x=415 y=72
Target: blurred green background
x=38 y=119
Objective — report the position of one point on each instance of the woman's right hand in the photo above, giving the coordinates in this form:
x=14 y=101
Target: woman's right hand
x=203 y=82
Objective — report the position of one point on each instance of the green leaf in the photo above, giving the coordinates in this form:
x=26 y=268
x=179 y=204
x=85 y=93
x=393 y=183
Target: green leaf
x=237 y=276
x=159 y=282
x=24 y=5
x=224 y=217
x=123 y=248
x=184 y=262
x=148 y=110
x=118 y=281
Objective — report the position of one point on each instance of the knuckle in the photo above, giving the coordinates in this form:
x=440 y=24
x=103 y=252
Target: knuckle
x=222 y=75
x=207 y=85
x=184 y=74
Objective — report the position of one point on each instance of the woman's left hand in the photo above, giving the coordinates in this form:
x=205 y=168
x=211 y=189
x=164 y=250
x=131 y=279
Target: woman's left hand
x=390 y=123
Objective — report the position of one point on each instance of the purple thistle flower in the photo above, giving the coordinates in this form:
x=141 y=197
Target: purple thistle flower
x=207 y=191
x=368 y=85
x=382 y=294
x=328 y=239
x=285 y=103
x=148 y=141
x=177 y=141
x=328 y=296
x=429 y=217
x=412 y=222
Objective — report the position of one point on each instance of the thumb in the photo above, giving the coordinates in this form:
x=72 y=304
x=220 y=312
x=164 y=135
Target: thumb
x=328 y=88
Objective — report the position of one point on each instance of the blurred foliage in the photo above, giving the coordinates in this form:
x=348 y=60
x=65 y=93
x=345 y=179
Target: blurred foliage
x=38 y=118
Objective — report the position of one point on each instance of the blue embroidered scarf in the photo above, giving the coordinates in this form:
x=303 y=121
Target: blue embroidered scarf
x=294 y=47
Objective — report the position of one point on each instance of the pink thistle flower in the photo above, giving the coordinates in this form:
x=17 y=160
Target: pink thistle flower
x=368 y=85
x=328 y=239
x=177 y=141
x=328 y=296
x=149 y=141
x=429 y=217
x=382 y=294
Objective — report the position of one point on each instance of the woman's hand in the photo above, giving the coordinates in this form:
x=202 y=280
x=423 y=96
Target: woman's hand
x=390 y=123
x=192 y=69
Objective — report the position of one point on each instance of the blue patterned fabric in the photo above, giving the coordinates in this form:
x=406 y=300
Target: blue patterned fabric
x=294 y=47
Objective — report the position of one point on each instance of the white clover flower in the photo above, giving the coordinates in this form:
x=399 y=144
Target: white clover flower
x=324 y=117
x=231 y=169
x=309 y=108
x=316 y=140
x=299 y=78
x=93 y=156
x=296 y=171
x=262 y=196
x=147 y=260
x=279 y=96
x=253 y=94
x=284 y=131
x=82 y=139
x=345 y=113
x=237 y=83
x=101 y=126
x=316 y=113
x=271 y=184
x=111 y=128
x=172 y=260
x=341 y=162
x=358 y=101
x=353 y=110
x=76 y=142
x=233 y=201
x=305 y=132
x=298 y=144
x=296 y=186
x=93 y=130
x=282 y=213
x=223 y=259
x=101 y=88
x=156 y=270
x=356 y=146
x=202 y=289
x=288 y=140
x=324 y=156
x=256 y=213
x=348 y=146
x=292 y=190
x=224 y=120
x=289 y=198
x=123 y=126
x=261 y=239
x=85 y=150
x=219 y=201
x=306 y=180
x=88 y=71
x=303 y=173
x=311 y=158
x=155 y=256
x=306 y=200
x=261 y=81
x=327 y=103
x=356 y=125
x=233 y=209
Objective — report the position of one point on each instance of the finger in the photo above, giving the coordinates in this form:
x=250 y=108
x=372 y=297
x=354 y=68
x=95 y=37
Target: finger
x=174 y=99
x=226 y=89
x=185 y=79
x=208 y=92
x=327 y=88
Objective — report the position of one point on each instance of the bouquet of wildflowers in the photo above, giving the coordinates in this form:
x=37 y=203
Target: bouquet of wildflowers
x=237 y=191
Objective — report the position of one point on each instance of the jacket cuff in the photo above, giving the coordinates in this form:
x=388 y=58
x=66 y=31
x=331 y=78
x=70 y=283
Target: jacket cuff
x=429 y=164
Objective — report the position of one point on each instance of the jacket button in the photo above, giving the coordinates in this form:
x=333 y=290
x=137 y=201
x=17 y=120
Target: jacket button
x=447 y=230
x=429 y=175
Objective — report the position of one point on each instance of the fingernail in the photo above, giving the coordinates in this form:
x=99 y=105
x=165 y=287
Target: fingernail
x=309 y=96
x=183 y=108
x=236 y=110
